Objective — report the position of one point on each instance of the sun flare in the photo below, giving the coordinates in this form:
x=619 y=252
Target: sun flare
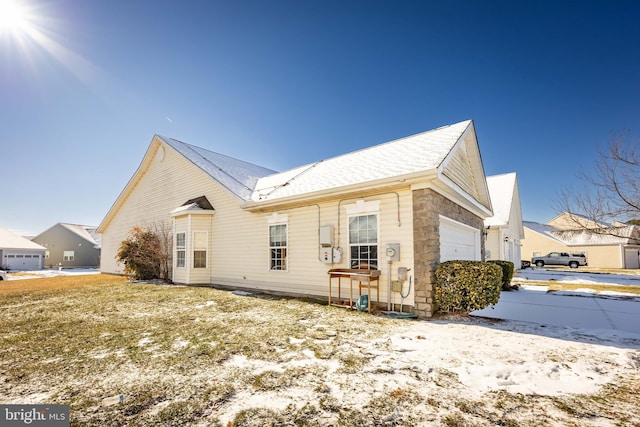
x=14 y=17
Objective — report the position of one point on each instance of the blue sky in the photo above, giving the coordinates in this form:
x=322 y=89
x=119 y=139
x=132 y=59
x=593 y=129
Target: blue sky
x=285 y=83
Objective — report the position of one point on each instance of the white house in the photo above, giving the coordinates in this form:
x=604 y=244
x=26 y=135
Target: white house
x=239 y=225
x=19 y=253
x=604 y=245
x=504 y=230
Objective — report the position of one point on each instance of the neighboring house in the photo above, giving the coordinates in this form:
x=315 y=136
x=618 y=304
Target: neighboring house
x=602 y=250
x=71 y=246
x=504 y=230
x=238 y=225
x=19 y=253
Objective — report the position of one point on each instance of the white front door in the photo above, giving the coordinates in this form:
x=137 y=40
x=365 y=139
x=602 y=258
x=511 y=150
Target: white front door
x=631 y=258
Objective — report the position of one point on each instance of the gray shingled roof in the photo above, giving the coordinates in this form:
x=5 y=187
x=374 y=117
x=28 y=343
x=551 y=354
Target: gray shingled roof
x=237 y=176
x=10 y=240
x=413 y=154
x=418 y=153
x=87 y=232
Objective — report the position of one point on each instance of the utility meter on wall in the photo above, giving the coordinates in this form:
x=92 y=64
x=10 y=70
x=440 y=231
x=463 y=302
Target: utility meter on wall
x=393 y=251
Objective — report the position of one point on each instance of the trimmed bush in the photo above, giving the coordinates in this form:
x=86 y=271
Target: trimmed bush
x=507 y=272
x=466 y=286
x=140 y=254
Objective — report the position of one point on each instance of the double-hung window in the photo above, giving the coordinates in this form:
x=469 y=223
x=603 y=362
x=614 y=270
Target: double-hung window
x=180 y=250
x=278 y=247
x=199 y=249
x=68 y=255
x=363 y=241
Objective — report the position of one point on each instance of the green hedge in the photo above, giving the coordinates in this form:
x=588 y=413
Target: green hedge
x=466 y=286
x=507 y=272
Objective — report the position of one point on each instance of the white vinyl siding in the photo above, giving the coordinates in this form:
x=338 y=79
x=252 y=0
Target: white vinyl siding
x=163 y=187
x=459 y=171
x=237 y=253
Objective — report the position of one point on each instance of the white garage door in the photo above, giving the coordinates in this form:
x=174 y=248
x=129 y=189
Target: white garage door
x=22 y=261
x=458 y=241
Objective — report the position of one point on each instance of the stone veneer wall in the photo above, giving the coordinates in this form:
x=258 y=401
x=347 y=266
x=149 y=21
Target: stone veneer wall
x=427 y=206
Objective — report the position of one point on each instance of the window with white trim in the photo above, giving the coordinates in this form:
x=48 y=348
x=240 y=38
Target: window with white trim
x=278 y=247
x=68 y=255
x=363 y=241
x=199 y=249
x=181 y=250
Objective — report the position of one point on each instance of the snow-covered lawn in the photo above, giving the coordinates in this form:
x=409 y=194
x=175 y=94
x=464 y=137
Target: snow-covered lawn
x=199 y=356
x=50 y=272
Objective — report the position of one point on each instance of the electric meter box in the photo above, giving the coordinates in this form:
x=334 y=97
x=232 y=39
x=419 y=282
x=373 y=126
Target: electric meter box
x=326 y=255
x=330 y=255
x=337 y=255
x=392 y=251
x=326 y=236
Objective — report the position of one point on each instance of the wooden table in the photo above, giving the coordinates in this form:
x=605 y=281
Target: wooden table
x=366 y=279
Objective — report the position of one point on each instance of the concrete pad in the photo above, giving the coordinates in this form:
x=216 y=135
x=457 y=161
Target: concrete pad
x=584 y=311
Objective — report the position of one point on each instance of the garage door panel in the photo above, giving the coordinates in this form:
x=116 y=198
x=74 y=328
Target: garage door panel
x=458 y=241
x=22 y=261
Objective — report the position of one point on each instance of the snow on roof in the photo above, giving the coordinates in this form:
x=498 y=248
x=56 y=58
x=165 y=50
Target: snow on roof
x=237 y=176
x=582 y=237
x=9 y=240
x=501 y=191
x=542 y=229
x=418 y=153
x=87 y=232
x=586 y=237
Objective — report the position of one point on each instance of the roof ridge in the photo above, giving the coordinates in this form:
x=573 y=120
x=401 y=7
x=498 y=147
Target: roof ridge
x=193 y=147
x=372 y=147
x=190 y=147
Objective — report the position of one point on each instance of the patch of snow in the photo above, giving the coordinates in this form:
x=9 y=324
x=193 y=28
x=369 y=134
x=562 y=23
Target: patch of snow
x=144 y=341
x=180 y=344
x=206 y=304
x=50 y=272
x=100 y=355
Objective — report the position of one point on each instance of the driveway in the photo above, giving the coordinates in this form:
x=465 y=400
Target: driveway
x=576 y=309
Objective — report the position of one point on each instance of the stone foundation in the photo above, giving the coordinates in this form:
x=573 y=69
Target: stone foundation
x=428 y=205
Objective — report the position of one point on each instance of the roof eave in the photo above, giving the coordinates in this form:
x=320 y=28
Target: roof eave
x=345 y=191
x=451 y=190
x=481 y=210
x=156 y=141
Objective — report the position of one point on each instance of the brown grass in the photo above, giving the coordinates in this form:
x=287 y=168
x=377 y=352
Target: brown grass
x=186 y=356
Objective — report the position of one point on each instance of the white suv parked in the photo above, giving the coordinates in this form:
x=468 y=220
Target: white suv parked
x=3 y=275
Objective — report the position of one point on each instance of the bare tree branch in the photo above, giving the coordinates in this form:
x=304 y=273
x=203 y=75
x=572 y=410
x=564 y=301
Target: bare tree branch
x=612 y=189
